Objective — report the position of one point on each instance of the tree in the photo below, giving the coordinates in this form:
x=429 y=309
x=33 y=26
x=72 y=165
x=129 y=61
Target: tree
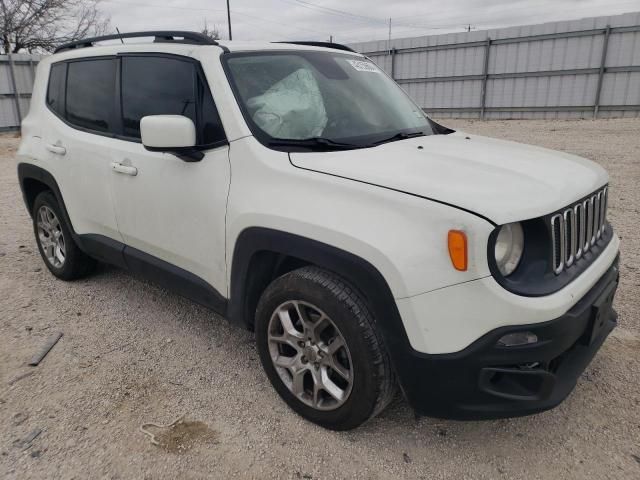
x=213 y=34
x=42 y=25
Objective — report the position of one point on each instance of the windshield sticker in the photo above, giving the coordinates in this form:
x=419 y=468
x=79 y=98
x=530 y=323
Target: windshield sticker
x=363 y=66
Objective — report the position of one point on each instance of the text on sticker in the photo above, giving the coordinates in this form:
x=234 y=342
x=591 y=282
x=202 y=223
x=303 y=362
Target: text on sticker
x=363 y=66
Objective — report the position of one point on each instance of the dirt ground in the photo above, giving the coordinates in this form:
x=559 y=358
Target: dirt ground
x=134 y=354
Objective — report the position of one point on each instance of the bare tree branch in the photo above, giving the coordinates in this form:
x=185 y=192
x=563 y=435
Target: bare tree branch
x=212 y=33
x=42 y=25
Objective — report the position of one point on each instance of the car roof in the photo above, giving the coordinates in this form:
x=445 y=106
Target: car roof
x=238 y=46
x=114 y=47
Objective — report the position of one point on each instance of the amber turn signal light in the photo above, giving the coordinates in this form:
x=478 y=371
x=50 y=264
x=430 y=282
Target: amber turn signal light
x=457 y=241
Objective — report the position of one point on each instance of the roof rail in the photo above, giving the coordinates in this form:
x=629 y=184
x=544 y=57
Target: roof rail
x=194 y=38
x=337 y=46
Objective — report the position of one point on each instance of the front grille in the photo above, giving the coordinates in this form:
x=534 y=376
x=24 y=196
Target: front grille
x=577 y=228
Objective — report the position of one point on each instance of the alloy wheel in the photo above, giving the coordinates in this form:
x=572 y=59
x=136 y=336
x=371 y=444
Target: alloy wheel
x=51 y=237
x=310 y=355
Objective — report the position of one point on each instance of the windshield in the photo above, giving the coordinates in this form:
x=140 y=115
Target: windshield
x=333 y=100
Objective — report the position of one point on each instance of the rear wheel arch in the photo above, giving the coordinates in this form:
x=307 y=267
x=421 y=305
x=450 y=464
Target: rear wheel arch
x=34 y=180
x=32 y=188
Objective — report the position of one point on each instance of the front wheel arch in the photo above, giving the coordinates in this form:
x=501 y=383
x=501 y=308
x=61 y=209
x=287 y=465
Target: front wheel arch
x=250 y=277
x=267 y=253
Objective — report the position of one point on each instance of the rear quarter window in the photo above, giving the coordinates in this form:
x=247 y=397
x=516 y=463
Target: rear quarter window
x=56 y=88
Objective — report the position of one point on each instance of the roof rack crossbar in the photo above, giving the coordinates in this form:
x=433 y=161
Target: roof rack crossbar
x=337 y=46
x=177 y=36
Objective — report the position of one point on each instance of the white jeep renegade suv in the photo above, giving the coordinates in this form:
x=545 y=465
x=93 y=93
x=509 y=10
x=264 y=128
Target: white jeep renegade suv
x=296 y=190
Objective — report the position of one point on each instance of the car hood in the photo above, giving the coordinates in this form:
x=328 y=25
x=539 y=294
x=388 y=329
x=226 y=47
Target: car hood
x=500 y=180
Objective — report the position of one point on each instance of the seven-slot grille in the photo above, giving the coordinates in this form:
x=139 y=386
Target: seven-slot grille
x=578 y=228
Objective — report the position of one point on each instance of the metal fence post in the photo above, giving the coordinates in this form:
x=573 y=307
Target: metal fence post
x=16 y=95
x=603 y=60
x=393 y=52
x=485 y=77
x=32 y=67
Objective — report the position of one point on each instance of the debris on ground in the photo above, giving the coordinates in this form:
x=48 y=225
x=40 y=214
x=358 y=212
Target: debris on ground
x=19 y=377
x=28 y=440
x=19 y=418
x=38 y=357
x=180 y=435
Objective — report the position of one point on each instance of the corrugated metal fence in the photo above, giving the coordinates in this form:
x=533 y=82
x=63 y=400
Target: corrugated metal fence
x=574 y=69
x=17 y=73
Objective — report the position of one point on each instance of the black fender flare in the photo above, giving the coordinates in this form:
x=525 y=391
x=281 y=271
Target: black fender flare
x=28 y=171
x=359 y=272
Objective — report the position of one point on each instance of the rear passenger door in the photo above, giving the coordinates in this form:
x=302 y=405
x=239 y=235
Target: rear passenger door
x=79 y=139
x=171 y=212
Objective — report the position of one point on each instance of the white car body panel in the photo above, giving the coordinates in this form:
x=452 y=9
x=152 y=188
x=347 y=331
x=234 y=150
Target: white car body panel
x=401 y=235
x=449 y=319
x=88 y=157
x=90 y=206
x=500 y=180
x=174 y=210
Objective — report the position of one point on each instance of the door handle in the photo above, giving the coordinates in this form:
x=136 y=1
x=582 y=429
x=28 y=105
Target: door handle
x=57 y=149
x=126 y=169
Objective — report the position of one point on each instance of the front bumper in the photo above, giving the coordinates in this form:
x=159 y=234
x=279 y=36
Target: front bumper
x=486 y=380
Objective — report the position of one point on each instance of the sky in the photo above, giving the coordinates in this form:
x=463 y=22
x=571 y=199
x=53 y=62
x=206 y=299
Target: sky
x=349 y=21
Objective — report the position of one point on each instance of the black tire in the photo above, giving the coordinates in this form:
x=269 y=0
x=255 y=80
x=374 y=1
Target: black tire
x=76 y=263
x=374 y=384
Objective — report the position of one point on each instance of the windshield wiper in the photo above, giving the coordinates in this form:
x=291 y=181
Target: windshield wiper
x=400 y=136
x=315 y=143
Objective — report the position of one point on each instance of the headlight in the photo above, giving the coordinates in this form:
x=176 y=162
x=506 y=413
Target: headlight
x=508 y=248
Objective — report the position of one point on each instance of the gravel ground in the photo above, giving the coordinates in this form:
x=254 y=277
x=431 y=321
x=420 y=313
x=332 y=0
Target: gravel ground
x=133 y=353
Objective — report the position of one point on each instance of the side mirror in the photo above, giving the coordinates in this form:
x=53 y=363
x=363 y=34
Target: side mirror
x=170 y=133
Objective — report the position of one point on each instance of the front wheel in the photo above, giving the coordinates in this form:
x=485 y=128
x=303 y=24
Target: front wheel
x=320 y=348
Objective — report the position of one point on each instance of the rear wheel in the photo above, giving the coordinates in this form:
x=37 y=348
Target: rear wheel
x=61 y=255
x=321 y=351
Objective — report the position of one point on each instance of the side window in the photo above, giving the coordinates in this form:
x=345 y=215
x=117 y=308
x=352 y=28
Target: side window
x=166 y=86
x=91 y=93
x=56 y=89
x=156 y=86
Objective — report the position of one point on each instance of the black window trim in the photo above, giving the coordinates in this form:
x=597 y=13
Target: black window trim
x=116 y=122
